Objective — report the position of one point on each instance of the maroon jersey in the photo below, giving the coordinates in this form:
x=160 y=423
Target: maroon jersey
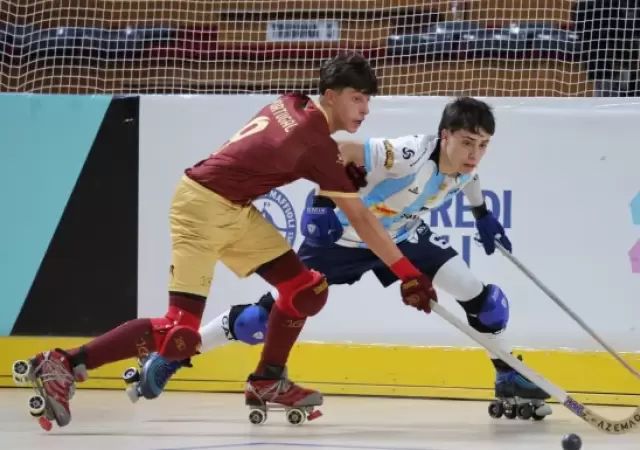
x=287 y=140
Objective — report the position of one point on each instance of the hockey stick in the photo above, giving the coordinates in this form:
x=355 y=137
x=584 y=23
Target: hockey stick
x=592 y=418
x=566 y=309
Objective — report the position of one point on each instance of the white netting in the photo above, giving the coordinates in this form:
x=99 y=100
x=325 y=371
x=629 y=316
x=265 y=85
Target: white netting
x=474 y=47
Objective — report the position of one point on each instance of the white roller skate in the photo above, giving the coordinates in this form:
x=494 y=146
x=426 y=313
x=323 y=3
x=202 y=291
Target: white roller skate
x=518 y=397
x=53 y=378
x=278 y=393
x=150 y=379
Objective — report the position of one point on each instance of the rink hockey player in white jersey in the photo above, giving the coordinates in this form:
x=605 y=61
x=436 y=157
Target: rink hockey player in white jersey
x=405 y=177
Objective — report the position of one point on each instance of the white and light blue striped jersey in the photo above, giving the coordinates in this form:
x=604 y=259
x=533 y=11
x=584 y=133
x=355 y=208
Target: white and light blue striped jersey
x=403 y=183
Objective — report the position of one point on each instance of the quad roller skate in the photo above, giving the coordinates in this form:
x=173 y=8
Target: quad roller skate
x=150 y=379
x=518 y=397
x=53 y=379
x=281 y=394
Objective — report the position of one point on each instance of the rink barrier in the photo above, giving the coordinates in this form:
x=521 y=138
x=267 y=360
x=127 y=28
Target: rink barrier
x=371 y=370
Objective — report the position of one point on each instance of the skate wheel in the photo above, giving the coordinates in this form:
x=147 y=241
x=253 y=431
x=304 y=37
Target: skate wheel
x=537 y=417
x=20 y=372
x=133 y=393
x=45 y=423
x=510 y=413
x=257 y=416
x=525 y=411
x=296 y=416
x=37 y=405
x=314 y=415
x=131 y=375
x=496 y=410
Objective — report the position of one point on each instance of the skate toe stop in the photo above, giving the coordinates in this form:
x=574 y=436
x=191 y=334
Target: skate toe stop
x=133 y=393
x=544 y=410
x=45 y=423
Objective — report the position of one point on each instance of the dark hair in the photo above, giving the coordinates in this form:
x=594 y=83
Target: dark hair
x=348 y=70
x=469 y=114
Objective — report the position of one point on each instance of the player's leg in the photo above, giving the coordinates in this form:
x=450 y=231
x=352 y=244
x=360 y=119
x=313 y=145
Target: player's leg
x=194 y=211
x=301 y=293
x=247 y=323
x=157 y=368
x=486 y=306
x=487 y=309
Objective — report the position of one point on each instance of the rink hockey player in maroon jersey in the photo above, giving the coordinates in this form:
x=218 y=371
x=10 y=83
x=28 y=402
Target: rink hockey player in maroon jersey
x=212 y=219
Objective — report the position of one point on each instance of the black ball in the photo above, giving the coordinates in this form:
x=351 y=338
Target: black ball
x=571 y=442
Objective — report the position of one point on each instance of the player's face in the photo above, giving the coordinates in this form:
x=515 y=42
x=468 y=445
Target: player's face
x=465 y=149
x=349 y=108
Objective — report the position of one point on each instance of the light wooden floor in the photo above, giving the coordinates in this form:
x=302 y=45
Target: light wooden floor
x=105 y=420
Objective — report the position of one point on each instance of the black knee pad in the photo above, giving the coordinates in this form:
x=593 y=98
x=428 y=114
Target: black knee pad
x=266 y=301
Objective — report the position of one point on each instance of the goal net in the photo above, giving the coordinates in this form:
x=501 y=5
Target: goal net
x=555 y=48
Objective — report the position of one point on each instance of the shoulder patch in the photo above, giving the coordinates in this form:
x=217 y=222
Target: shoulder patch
x=389 y=158
x=407 y=153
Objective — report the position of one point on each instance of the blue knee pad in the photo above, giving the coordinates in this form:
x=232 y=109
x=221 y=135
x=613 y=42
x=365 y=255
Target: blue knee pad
x=250 y=326
x=494 y=313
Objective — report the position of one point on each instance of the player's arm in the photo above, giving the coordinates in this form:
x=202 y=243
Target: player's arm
x=396 y=156
x=488 y=226
x=473 y=191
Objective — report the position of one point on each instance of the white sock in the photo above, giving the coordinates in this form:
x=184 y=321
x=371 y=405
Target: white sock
x=500 y=342
x=216 y=333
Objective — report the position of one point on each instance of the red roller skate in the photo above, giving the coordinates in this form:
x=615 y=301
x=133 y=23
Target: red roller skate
x=52 y=376
x=274 y=391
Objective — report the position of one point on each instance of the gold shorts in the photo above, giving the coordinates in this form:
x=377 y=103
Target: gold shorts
x=207 y=228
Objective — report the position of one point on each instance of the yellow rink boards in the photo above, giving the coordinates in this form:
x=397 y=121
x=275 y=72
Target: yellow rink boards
x=381 y=370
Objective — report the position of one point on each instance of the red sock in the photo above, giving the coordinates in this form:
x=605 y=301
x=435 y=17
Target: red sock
x=283 y=328
x=132 y=339
x=129 y=340
x=282 y=333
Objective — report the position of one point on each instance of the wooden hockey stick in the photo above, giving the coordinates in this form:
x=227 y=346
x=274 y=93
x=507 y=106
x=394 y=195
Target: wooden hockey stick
x=566 y=309
x=592 y=418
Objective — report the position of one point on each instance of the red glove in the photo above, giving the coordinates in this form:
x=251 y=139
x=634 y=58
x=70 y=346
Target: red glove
x=416 y=288
x=418 y=292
